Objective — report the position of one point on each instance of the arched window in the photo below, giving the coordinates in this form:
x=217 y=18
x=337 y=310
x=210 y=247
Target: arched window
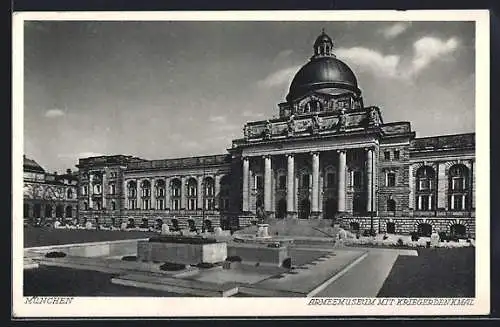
x=209 y=193
x=59 y=211
x=85 y=206
x=192 y=190
x=132 y=188
x=358 y=204
x=458 y=187
x=424 y=229
x=160 y=194
x=69 y=212
x=225 y=188
x=391 y=205
x=425 y=185
x=354 y=226
x=458 y=230
x=176 y=186
x=69 y=193
x=113 y=205
x=146 y=188
x=391 y=228
x=112 y=188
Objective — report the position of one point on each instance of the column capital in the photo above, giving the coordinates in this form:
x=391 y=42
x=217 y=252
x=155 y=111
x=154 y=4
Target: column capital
x=369 y=148
x=245 y=157
x=290 y=155
x=266 y=156
x=315 y=153
x=341 y=151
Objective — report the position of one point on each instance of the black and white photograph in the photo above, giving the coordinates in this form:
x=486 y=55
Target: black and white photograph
x=305 y=163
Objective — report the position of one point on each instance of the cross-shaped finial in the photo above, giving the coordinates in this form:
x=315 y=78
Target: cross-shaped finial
x=323 y=30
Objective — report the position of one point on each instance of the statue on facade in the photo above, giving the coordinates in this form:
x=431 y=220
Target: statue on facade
x=374 y=117
x=291 y=125
x=341 y=123
x=267 y=130
x=316 y=124
x=246 y=132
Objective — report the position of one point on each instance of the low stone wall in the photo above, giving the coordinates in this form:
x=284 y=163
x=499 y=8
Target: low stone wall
x=181 y=253
x=406 y=225
x=261 y=254
x=95 y=249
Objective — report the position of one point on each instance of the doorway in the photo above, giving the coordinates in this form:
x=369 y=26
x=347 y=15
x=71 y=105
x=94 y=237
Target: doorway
x=281 y=209
x=305 y=209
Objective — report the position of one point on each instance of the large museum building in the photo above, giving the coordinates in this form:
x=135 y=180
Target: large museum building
x=327 y=156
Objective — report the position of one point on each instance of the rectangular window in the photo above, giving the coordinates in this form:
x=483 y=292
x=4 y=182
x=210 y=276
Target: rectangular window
x=424 y=202
x=396 y=154
x=176 y=204
x=387 y=155
x=457 y=202
x=391 y=179
x=282 y=182
x=458 y=184
x=424 y=184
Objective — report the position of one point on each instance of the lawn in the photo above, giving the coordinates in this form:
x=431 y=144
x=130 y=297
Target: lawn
x=436 y=272
x=41 y=236
x=56 y=281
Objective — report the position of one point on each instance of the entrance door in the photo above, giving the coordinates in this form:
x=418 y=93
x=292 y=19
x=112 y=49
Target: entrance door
x=281 y=209
x=330 y=208
x=305 y=209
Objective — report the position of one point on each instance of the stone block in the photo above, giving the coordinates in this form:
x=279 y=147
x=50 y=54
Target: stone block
x=252 y=253
x=181 y=252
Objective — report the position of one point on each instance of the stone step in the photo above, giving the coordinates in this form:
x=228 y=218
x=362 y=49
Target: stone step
x=176 y=285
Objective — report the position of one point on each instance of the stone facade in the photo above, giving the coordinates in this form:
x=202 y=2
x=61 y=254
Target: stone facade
x=327 y=156
x=48 y=197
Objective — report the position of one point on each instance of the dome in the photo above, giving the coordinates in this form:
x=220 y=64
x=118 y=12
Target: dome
x=323 y=71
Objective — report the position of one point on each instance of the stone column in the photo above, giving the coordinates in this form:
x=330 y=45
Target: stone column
x=411 y=182
x=125 y=195
x=341 y=177
x=167 y=193
x=442 y=186
x=153 y=193
x=91 y=190
x=290 y=189
x=217 y=191
x=315 y=185
x=199 y=193
x=183 y=193
x=138 y=193
x=267 y=184
x=296 y=195
x=430 y=202
x=369 y=184
x=104 y=190
x=246 y=176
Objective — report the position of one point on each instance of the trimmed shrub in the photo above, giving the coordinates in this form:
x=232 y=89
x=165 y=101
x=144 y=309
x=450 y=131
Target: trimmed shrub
x=273 y=245
x=400 y=242
x=170 y=266
x=55 y=254
x=205 y=265
x=287 y=263
x=234 y=258
x=129 y=258
x=414 y=236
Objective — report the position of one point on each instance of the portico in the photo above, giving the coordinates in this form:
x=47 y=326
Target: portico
x=314 y=184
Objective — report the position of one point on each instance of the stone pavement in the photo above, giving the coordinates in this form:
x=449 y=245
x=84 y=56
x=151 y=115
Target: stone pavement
x=367 y=277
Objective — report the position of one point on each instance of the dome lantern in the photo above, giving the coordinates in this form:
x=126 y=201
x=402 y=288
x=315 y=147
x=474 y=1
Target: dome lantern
x=324 y=72
x=323 y=46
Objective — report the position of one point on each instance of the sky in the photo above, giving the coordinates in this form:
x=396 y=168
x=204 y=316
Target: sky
x=176 y=88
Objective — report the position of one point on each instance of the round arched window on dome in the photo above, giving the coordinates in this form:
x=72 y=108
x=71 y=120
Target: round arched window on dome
x=312 y=106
